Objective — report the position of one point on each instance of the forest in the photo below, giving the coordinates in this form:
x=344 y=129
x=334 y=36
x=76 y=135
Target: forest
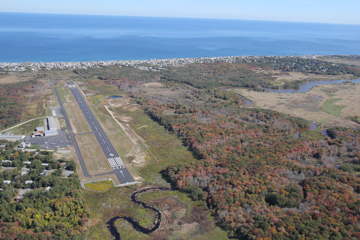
x=260 y=181
x=52 y=207
x=242 y=73
x=12 y=102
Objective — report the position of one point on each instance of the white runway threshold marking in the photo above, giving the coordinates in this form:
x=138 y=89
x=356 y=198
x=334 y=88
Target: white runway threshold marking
x=116 y=163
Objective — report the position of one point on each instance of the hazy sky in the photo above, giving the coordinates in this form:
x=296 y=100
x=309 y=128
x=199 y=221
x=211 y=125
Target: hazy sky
x=326 y=11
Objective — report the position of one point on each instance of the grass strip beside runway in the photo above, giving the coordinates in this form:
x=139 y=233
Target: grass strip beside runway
x=101 y=186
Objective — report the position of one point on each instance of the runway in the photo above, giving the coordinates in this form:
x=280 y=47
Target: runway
x=119 y=168
x=71 y=137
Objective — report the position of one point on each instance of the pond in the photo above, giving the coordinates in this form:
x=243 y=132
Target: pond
x=114 y=96
x=307 y=86
x=313 y=126
x=247 y=101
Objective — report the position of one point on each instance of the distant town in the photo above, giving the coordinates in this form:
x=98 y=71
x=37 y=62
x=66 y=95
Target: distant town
x=148 y=65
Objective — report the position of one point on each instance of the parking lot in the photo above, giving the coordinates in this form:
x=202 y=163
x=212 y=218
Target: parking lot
x=50 y=142
x=56 y=112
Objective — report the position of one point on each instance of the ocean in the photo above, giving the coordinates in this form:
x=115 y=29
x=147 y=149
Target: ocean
x=54 y=37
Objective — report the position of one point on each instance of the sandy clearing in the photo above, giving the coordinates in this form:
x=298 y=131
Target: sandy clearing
x=140 y=159
x=153 y=85
x=118 y=102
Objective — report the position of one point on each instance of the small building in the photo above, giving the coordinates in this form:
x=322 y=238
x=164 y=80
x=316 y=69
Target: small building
x=51 y=132
x=3 y=145
x=7 y=182
x=29 y=181
x=12 y=138
x=66 y=174
x=26 y=163
x=24 y=173
x=51 y=123
x=22 y=192
x=37 y=134
x=24 y=145
x=6 y=161
x=46 y=172
x=38 y=129
x=47 y=188
x=45 y=164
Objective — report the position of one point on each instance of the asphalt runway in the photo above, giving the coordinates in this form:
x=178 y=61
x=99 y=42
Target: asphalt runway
x=119 y=168
x=71 y=137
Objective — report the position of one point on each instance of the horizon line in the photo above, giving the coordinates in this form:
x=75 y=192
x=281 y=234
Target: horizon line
x=111 y=15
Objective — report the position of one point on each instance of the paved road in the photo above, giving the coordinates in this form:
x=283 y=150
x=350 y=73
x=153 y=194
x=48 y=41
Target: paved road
x=71 y=137
x=113 y=157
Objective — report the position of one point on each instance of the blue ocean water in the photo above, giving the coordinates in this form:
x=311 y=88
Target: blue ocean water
x=54 y=37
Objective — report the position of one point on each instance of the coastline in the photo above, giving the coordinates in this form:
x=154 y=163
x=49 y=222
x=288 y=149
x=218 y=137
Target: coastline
x=156 y=64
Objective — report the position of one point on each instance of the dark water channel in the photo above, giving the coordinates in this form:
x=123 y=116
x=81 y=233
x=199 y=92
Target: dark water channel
x=111 y=223
x=325 y=132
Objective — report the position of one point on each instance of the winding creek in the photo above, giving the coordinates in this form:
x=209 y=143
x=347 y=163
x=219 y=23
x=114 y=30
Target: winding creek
x=111 y=222
x=313 y=126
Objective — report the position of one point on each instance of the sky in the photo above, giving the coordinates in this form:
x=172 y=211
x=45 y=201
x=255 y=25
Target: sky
x=321 y=11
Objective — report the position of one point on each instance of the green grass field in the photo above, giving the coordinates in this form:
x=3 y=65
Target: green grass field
x=100 y=186
x=28 y=128
x=165 y=146
x=62 y=123
x=333 y=109
x=62 y=93
x=56 y=103
x=33 y=147
x=312 y=135
x=104 y=117
x=97 y=99
x=104 y=90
